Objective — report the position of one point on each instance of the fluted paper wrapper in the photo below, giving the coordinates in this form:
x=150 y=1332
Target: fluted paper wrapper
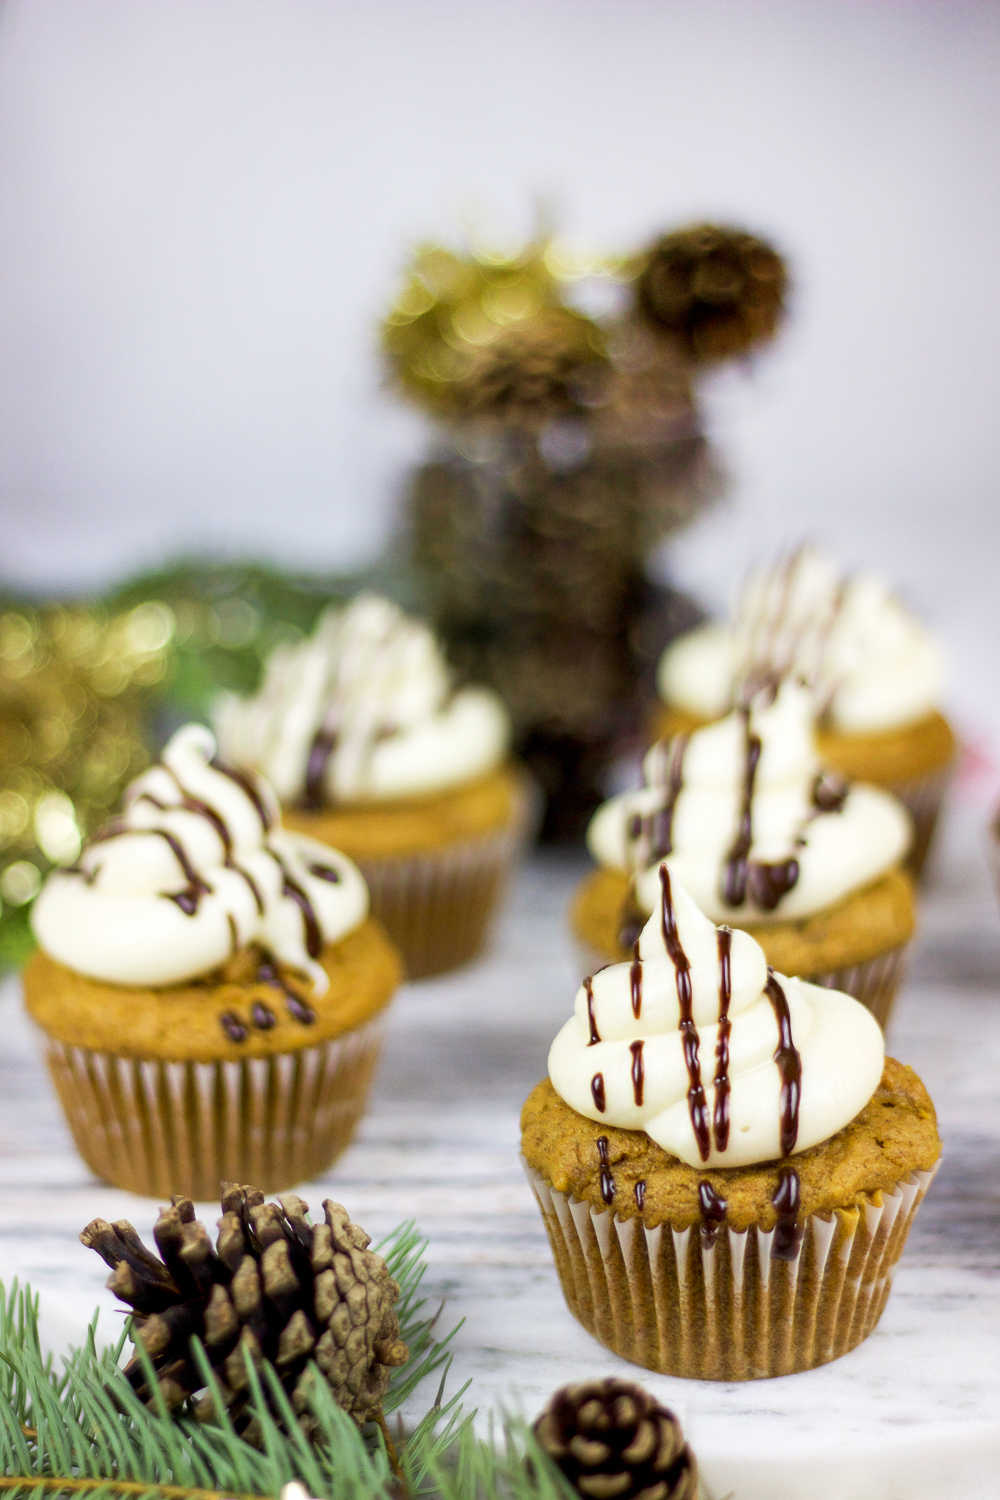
x=874 y=982
x=158 y=1128
x=438 y=906
x=922 y=796
x=665 y=1299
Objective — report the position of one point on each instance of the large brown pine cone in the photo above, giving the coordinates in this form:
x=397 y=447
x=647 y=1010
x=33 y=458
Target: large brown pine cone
x=614 y=1442
x=718 y=291
x=276 y=1287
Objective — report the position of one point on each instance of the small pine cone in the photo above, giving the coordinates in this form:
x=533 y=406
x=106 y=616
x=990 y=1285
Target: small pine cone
x=539 y=370
x=614 y=1442
x=274 y=1287
x=718 y=291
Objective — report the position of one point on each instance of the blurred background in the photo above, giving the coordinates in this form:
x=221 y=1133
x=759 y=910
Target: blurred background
x=206 y=207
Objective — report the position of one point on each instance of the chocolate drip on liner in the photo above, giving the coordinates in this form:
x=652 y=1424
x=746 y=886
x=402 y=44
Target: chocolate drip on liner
x=597 y=1091
x=595 y=1035
x=713 y=1211
x=787 y=1200
x=635 y=980
x=638 y=1072
x=720 y=1114
x=789 y=1065
x=607 y=1181
x=697 y=1107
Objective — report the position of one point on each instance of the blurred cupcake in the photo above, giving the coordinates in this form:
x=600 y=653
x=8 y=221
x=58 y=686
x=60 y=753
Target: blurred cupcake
x=874 y=671
x=210 y=986
x=764 y=840
x=371 y=749
x=726 y=1163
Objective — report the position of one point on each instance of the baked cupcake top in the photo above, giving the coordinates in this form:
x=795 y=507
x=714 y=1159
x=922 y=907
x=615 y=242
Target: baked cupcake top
x=722 y=1062
x=363 y=711
x=747 y=821
x=869 y=664
x=196 y=868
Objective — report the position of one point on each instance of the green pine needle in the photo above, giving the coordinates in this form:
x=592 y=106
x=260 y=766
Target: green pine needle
x=83 y=1431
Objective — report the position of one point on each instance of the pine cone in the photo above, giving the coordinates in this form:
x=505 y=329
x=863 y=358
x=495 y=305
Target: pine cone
x=719 y=291
x=276 y=1287
x=613 y=1441
x=536 y=371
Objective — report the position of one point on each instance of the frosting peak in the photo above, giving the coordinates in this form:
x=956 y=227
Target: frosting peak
x=747 y=821
x=363 y=711
x=870 y=666
x=721 y=1061
x=196 y=867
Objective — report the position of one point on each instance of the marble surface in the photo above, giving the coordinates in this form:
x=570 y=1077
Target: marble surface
x=913 y=1414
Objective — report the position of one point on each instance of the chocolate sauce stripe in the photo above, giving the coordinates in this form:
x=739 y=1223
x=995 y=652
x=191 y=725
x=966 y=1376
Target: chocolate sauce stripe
x=721 y=1085
x=697 y=1107
x=789 y=1065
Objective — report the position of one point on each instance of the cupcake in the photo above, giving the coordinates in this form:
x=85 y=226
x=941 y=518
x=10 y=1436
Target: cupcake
x=371 y=749
x=764 y=840
x=874 y=671
x=210 y=986
x=726 y=1162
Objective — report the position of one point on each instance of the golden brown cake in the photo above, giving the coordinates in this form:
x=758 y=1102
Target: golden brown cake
x=372 y=748
x=210 y=986
x=726 y=1162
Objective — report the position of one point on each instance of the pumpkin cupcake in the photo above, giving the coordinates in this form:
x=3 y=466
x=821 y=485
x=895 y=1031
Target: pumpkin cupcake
x=763 y=839
x=874 y=671
x=210 y=986
x=371 y=748
x=726 y=1162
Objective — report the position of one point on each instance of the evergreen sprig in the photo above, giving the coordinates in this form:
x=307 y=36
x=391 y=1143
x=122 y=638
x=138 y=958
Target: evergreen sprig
x=83 y=1431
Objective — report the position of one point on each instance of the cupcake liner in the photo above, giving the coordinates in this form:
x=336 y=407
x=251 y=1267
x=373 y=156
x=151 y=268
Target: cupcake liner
x=158 y=1128
x=874 y=982
x=437 y=906
x=674 y=1302
x=922 y=796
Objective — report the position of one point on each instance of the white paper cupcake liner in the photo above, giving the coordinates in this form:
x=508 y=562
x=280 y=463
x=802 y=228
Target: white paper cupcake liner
x=922 y=796
x=437 y=906
x=874 y=982
x=674 y=1302
x=158 y=1128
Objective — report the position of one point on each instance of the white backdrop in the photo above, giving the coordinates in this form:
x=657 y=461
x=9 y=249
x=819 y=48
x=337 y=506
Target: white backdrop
x=203 y=202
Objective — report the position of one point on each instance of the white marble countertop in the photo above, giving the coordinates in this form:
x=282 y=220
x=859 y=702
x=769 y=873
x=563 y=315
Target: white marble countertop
x=913 y=1414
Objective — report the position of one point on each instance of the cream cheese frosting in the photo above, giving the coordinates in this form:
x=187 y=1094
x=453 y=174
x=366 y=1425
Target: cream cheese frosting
x=746 y=820
x=719 y=1060
x=196 y=867
x=363 y=711
x=870 y=665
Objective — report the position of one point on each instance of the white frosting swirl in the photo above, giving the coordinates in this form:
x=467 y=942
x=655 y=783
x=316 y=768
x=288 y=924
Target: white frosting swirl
x=704 y=778
x=363 y=711
x=871 y=666
x=196 y=867
x=790 y=1086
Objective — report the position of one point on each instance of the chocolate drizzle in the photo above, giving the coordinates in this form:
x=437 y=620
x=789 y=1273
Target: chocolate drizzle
x=713 y=1212
x=697 y=1107
x=607 y=1181
x=720 y=1114
x=190 y=897
x=597 y=1090
x=233 y=1026
x=310 y=922
x=786 y=1201
x=829 y=793
x=298 y=1009
x=248 y=787
x=736 y=869
x=632 y=919
x=767 y=883
x=635 y=981
x=640 y=1194
x=655 y=830
x=323 y=745
x=638 y=1072
x=595 y=1035
x=789 y=1065
x=325 y=872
